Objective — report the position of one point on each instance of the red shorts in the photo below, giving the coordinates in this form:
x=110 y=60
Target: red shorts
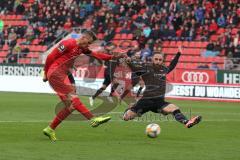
x=58 y=79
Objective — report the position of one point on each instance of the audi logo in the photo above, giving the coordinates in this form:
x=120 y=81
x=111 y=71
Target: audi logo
x=82 y=72
x=195 y=77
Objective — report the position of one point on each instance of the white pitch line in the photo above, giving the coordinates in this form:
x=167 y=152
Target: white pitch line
x=119 y=120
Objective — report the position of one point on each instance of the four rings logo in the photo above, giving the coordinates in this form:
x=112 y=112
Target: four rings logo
x=82 y=72
x=195 y=77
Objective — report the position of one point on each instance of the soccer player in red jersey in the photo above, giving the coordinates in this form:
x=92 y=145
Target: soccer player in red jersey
x=56 y=71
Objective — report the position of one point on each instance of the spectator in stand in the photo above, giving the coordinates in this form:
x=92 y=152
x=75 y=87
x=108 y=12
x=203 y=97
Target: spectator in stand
x=221 y=21
x=199 y=14
x=214 y=66
x=109 y=34
x=12 y=38
x=229 y=51
x=202 y=66
x=210 y=51
x=236 y=39
x=11 y=58
x=236 y=53
x=29 y=35
x=146 y=53
x=68 y=24
x=48 y=39
x=1 y=33
x=229 y=64
x=20 y=9
x=156 y=33
x=146 y=31
x=213 y=27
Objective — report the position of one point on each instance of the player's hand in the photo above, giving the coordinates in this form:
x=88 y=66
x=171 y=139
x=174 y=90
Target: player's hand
x=45 y=78
x=120 y=56
x=180 y=49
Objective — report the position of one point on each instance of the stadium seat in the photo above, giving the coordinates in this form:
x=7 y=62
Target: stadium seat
x=33 y=55
x=118 y=29
x=172 y=44
x=214 y=38
x=117 y=36
x=185 y=43
x=24 y=60
x=21 y=40
x=134 y=43
x=234 y=31
x=100 y=35
x=124 y=36
x=220 y=30
x=35 y=42
x=5 y=47
x=129 y=36
x=3 y=54
x=165 y=44
x=19 y=17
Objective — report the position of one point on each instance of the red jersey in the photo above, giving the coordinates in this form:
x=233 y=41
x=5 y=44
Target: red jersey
x=66 y=52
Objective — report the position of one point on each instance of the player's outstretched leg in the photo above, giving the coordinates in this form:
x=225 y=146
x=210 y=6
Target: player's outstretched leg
x=193 y=121
x=180 y=117
x=95 y=122
x=80 y=107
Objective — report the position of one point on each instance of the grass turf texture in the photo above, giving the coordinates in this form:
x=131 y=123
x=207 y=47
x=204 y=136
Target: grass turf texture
x=23 y=116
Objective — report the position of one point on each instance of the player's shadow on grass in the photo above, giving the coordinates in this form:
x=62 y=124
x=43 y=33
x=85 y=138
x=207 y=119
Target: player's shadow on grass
x=102 y=109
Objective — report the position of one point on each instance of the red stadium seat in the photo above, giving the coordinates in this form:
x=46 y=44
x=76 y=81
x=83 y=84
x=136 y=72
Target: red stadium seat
x=24 y=60
x=5 y=47
x=220 y=30
x=134 y=43
x=214 y=38
x=165 y=44
x=35 y=42
x=185 y=43
x=44 y=48
x=117 y=36
x=203 y=44
x=118 y=29
x=3 y=53
x=19 y=17
x=124 y=36
x=100 y=35
x=172 y=44
x=130 y=36
x=32 y=55
x=234 y=31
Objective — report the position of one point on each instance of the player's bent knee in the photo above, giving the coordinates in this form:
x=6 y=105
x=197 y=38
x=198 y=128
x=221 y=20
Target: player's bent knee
x=72 y=96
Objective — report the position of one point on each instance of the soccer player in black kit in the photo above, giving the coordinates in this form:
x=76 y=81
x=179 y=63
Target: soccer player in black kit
x=135 y=79
x=108 y=77
x=154 y=77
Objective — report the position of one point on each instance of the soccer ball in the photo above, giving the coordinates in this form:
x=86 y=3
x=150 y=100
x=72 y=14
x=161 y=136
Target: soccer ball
x=153 y=130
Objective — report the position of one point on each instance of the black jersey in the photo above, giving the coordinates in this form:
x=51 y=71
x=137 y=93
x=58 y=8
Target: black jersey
x=110 y=67
x=154 y=77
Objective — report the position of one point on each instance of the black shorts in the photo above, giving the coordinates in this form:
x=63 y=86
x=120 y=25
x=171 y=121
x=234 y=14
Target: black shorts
x=149 y=104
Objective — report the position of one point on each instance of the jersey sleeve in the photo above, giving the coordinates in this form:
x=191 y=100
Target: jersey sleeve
x=101 y=56
x=138 y=68
x=173 y=63
x=57 y=52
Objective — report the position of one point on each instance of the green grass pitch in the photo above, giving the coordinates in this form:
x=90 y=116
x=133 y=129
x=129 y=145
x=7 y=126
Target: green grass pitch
x=23 y=116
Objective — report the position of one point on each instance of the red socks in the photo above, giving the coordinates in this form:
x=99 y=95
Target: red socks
x=80 y=107
x=64 y=113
